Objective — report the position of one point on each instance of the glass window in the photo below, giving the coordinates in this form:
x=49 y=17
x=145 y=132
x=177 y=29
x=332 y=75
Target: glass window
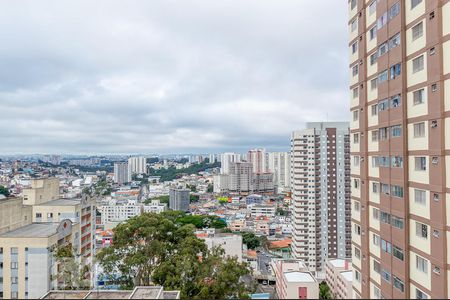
x=355 y=115
x=394 y=10
x=376 y=266
x=420 y=196
x=376 y=213
x=386 y=275
x=397 y=191
x=419 y=130
x=376 y=239
x=355 y=70
x=385 y=188
x=354 y=47
x=355 y=93
x=382 y=49
x=420 y=163
x=383 y=76
x=420 y=294
x=398 y=284
x=375 y=136
x=374 y=109
x=385 y=217
x=394 y=41
x=375 y=190
x=372 y=7
x=374 y=84
x=386 y=246
x=397 y=252
x=418 y=64
x=397 y=161
x=418 y=96
x=417 y=31
x=396 y=131
x=397 y=222
x=421 y=230
x=396 y=101
x=414 y=3
x=373 y=32
x=354 y=24
x=382 y=21
x=421 y=264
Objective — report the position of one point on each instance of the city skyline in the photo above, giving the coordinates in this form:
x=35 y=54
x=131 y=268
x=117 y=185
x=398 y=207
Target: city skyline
x=165 y=78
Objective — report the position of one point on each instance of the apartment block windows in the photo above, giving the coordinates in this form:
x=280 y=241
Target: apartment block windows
x=395 y=70
x=397 y=161
x=420 y=196
x=398 y=284
x=386 y=275
x=383 y=76
x=421 y=230
x=376 y=213
x=383 y=105
x=354 y=24
x=357 y=229
x=374 y=109
x=356 y=138
x=357 y=253
x=355 y=93
x=382 y=49
x=14 y=265
x=394 y=10
x=375 y=190
x=421 y=264
x=397 y=222
x=374 y=84
x=373 y=32
x=356 y=161
x=373 y=7
x=398 y=252
x=355 y=70
x=386 y=246
x=418 y=96
x=354 y=47
x=376 y=266
x=382 y=21
x=355 y=115
x=420 y=163
x=356 y=183
x=394 y=41
x=396 y=131
x=357 y=276
x=419 y=130
x=418 y=64
x=373 y=58
x=375 y=136
x=414 y=3
x=376 y=239
x=417 y=31
x=352 y=4
x=420 y=294
x=383 y=134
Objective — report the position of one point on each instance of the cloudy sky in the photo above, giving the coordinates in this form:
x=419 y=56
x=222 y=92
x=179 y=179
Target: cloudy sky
x=167 y=76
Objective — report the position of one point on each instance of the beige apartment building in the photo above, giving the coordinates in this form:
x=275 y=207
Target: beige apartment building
x=400 y=147
x=339 y=277
x=30 y=230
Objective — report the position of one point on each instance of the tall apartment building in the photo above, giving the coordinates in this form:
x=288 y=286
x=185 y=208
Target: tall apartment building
x=226 y=159
x=241 y=177
x=279 y=163
x=320 y=168
x=258 y=159
x=137 y=165
x=400 y=140
x=179 y=199
x=122 y=173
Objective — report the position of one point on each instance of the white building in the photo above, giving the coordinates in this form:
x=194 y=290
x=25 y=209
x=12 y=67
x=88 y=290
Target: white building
x=241 y=177
x=226 y=159
x=121 y=173
x=339 y=277
x=279 y=163
x=261 y=210
x=293 y=280
x=221 y=183
x=258 y=159
x=230 y=243
x=116 y=213
x=321 y=193
x=137 y=165
x=179 y=199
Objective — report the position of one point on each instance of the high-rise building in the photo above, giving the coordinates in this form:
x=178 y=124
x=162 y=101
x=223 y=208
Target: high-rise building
x=400 y=134
x=320 y=192
x=258 y=159
x=279 y=163
x=226 y=160
x=121 y=173
x=137 y=165
x=241 y=177
x=179 y=199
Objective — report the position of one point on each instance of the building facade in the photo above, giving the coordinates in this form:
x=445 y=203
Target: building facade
x=179 y=199
x=399 y=94
x=279 y=163
x=338 y=276
x=226 y=159
x=137 y=165
x=258 y=158
x=320 y=193
x=121 y=173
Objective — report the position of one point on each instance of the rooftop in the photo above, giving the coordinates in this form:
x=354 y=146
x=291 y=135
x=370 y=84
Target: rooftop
x=35 y=230
x=348 y=275
x=299 y=277
x=140 y=292
x=339 y=263
x=61 y=202
x=280 y=244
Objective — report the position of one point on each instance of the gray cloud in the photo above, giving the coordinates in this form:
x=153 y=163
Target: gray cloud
x=168 y=76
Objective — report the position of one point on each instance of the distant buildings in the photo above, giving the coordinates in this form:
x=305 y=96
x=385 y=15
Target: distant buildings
x=258 y=159
x=121 y=173
x=321 y=193
x=179 y=199
x=119 y=212
x=279 y=163
x=241 y=177
x=230 y=243
x=139 y=292
x=137 y=165
x=262 y=210
x=339 y=277
x=293 y=280
x=226 y=159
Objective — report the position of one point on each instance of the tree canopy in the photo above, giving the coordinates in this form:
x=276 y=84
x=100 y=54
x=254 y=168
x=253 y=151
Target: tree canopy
x=251 y=240
x=4 y=191
x=156 y=249
x=173 y=173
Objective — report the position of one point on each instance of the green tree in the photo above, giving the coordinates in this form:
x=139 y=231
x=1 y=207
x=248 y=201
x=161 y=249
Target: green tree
x=281 y=212
x=194 y=198
x=153 y=249
x=251 y=240
x=324 y=291
x=72 y=271
x=4 y=191
x=163 y=199
x=210 y=188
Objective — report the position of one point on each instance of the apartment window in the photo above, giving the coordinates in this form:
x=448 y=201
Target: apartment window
x=382 y=21
x=374 y=84
x=356 y=138
x=377 y=293
x=354 y=47
x=398 y=284
x=421 y=230
x=396 y=131
x=421 y=264
x=419 y=130
x=398 y=252
x=38 y=215
x=373 y=58
x=394 y=41
x=382 y=49
x=418 y=64
x=356 y=161
x=357 y=229
x=14 y=265
x=397 y=161
x=376 y=239
x=355 y=70
x=355 y=115
x=375 y=188
x=397 y=222
x=385 y=217
x=434 y=87
x=14 y=280
x=395 y=71
x=396 y=101
x=375 y=161
x=374 y=110
x=383 y=105
x=383 y=134
x=357 y=276
x=394 y=10
x=414 y=3
x=417 y=31
x=352 y=4
x=386 y=275
x=356 y=183
x=420 y=196
x=355 y=93
x=357 y=253
x=418 y=96
x=354 y=24
x=397 y=191
x=356 y=206
x=14 y=295
x=420 y=163
x=376 y=266
x=14 y=250
x=383 y=76
x=372 y=7
x=373 y=32
x=50 y=215
x=386 y=246
x=385 y=188
x=375 y=136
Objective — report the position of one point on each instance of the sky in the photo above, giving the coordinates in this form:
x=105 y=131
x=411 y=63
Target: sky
x=186 y=76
